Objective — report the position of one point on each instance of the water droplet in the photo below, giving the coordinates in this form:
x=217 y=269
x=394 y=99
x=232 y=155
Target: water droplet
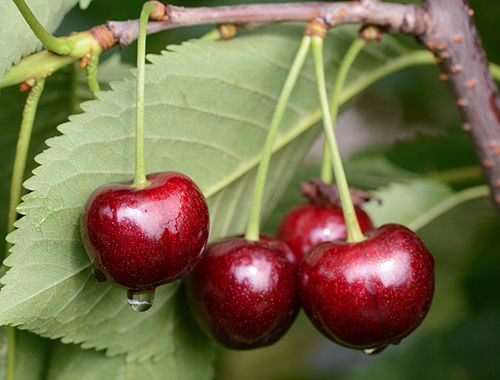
x=141 y=300
x=99 y=276
x=374 y=350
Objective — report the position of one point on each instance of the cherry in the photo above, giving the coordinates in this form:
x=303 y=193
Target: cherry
x=321 y=219
x=140 y=238
x=243 y=293
x=369 y=294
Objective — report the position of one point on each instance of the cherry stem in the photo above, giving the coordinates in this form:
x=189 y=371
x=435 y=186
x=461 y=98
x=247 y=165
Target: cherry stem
x=352 y=52
x=326 y=165
x=354 y=233
x=253 y=227
x=20 y=158
x=140 y=180
x=92 y=74
x=11 y=353
x=57 y=45
x=16 y=187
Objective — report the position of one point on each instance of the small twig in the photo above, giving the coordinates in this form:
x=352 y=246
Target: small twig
x=392 y=18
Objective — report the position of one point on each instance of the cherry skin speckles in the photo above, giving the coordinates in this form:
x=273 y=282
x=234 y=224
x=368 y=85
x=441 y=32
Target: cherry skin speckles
x=309 y=224
x=370 y=294
x=243 y=293
x=139 y=239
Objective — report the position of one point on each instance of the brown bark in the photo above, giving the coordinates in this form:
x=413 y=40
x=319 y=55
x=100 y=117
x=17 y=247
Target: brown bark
x=392 y=18
x=454 y=40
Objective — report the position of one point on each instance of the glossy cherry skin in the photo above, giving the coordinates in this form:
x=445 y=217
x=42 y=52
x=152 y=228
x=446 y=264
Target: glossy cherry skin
x=243 y=293
x=142 y=238
x=306 y=225
x=369 y=294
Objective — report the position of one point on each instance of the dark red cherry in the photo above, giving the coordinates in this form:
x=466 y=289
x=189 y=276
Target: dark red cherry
x=243 y=293
x=139 y=239
x=370 y=294
x=319 y=220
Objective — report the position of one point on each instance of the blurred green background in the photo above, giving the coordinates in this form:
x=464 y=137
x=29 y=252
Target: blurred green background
x=460 y=338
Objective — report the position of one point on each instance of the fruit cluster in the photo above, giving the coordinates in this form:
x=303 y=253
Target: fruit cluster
x=245 y=293
x=364 y=295
x=362 y=287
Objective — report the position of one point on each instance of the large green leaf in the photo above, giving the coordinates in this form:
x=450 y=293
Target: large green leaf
x=208 y=107
x=70 y=362
x=16 y=38
x=191 y=360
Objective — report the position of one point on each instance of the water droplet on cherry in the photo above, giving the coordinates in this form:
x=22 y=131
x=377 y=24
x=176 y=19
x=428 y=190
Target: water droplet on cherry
x=140 y=300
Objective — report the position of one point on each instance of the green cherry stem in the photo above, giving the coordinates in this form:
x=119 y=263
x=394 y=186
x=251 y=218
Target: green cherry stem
x=252 y=232
x=352 y=52
x=354 y=233
x=140 y=180
x=212 y=35
x=326 y=165
x=11 y=353
x=22 y=147
x=16 y=187
x=92 y=74
x=57 y=45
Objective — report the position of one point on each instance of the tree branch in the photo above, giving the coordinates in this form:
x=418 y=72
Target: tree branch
x=391 y=18
x=454 y=41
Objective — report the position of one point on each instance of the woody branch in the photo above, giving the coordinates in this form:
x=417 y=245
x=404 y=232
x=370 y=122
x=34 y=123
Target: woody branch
x=391 y=18
x=454 y=40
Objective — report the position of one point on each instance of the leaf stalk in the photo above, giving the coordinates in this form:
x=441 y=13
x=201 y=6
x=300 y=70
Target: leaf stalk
x=253 y=226
x=352 y=52
x=57 y=45
x=140 y=180
x=354 y=233
x=16 y=186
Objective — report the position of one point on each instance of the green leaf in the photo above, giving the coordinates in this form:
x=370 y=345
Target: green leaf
x=16 y=38
x=70 y=362
x=208 y=107
x=84 y=3
x=417 y=203
x=192 y=360
x=406 y=203
x=374 y=171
